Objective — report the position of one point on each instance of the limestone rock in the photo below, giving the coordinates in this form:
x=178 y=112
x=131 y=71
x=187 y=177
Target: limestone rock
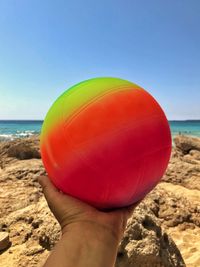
x=165 y=224
x=4 y=240
x=186 y=143
x=25 y=148
x=184 y=166
x=145 y=244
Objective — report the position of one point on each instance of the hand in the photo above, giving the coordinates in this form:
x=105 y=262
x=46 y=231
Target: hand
x=70 y=211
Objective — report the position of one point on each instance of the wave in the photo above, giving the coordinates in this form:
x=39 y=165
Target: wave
x=18 y=134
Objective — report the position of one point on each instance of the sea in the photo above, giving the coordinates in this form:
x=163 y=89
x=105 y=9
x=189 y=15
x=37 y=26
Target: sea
x=12 y=129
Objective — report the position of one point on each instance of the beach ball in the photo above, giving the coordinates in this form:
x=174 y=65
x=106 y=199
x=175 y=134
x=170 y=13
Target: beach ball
x=105 y=141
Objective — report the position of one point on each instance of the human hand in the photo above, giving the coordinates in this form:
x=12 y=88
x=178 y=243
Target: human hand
x=89 y=237
x=71 y=212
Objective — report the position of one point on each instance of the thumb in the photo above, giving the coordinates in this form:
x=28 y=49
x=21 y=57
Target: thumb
x=58 y=202
x=51 y=193
x=48 y=188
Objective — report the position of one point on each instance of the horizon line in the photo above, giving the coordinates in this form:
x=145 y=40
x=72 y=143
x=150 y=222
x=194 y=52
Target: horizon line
x=41 y=120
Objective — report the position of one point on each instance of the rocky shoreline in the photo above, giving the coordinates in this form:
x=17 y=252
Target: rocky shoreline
x=163 y=231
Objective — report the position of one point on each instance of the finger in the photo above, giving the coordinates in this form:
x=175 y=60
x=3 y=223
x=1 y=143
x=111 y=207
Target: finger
x=51 y=193
x=127 y=211
x=56 y=199
x=47 y=185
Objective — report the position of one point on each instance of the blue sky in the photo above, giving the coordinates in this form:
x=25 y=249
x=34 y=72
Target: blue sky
x=47 y=46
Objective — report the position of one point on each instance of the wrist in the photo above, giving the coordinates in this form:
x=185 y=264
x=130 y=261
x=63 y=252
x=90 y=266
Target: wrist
x=96 y=244
x=91 y=230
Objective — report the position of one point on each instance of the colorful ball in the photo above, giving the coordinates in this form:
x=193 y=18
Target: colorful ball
x=106 y=141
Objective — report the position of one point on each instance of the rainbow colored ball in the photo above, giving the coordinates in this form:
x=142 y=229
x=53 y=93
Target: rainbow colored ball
x=106 y=141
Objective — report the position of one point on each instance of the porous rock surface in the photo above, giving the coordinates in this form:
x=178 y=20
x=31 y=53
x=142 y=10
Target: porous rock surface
x=163 y=230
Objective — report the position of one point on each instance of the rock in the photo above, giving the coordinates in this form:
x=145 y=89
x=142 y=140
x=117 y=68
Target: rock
x=184 y=169
x=18 y=185
x=165 y=224
x=4 y=240
x=185 y=143
x=195 y=154
x=145 y=244
x=33 y=250
x=23 y=151
x=25 y=148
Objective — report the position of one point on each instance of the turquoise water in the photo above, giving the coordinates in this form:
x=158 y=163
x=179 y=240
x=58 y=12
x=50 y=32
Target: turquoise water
x=16 y=129
x=190 y=127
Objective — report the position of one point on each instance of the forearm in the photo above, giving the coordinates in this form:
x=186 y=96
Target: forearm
x=84 y=246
